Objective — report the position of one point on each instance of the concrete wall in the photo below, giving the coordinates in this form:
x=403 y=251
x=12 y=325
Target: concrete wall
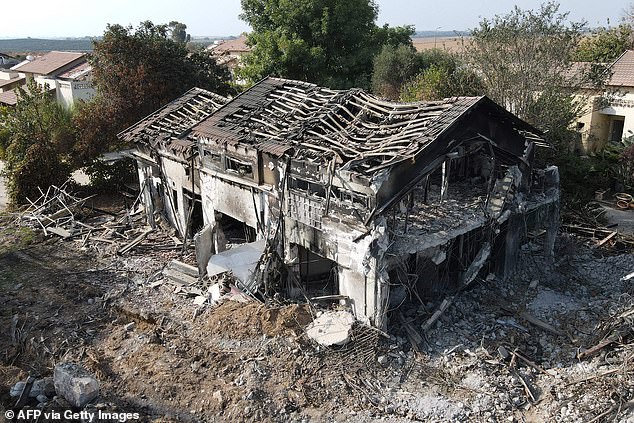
x=599 y=112
x=176 y=209
x=68 y=92
x=64 y=93
x=358 y=263
x=83 y=90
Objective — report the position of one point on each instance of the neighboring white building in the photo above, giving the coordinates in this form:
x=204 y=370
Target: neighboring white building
x=68 y=74
x=610 y=113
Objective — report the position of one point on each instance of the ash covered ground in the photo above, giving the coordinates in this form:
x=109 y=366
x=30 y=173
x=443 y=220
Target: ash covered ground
x=529 y=349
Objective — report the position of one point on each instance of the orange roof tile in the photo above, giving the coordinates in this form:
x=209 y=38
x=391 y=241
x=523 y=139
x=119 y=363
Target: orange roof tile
x=9 y=97
x=623 y=70
x=239 y=44
x=50 y=62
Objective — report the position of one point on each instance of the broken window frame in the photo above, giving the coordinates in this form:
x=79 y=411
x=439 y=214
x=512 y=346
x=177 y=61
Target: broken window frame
x=306 y=187
x=346 y=196
x=239 y=167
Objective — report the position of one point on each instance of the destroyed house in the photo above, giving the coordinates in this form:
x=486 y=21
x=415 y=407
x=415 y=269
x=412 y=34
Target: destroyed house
x=376 y=203
x=167 y=158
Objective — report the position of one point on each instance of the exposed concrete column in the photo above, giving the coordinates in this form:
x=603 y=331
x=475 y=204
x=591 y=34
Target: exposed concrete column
x=444 y=186
x=376 y=274
x=551 y=187
x=145 y=180
x=512 y=242
x=552 y=228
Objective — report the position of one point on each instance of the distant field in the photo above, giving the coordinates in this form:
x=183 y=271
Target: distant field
x=35 y=45
x=453 y=44
x=25 y=45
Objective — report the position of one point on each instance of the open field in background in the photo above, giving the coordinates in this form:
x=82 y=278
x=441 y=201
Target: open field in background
x=453 y=44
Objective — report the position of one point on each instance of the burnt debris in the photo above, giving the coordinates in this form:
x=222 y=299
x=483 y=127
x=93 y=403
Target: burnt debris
x=343 y=195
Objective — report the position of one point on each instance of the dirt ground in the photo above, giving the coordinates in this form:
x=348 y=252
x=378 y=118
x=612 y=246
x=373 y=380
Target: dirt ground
x=157 y=354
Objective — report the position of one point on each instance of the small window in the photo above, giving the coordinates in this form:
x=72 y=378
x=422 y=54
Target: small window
x=239 y=167
x=347 y=196
x=616 y=131
x=216 y=157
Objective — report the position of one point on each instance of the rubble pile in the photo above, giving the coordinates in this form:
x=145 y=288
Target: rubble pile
x=59 y=212
x=553 y=343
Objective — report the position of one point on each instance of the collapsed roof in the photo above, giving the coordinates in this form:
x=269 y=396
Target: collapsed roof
x=362 y=132
x=175 y=119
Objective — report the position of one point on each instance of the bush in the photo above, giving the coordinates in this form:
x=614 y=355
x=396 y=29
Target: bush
x=111 y=176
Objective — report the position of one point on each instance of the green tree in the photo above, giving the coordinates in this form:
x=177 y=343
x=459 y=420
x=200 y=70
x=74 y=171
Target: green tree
x=443 y=75
x=36 y=137
x=178 y=32
x=525 y=61
x=393 y=66
x=136 y=71
x=605 y=44
x=328 y=42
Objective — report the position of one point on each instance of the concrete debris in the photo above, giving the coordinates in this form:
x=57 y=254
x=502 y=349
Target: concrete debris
x=476 y=363
x=75 y=384
x=239 y=260
x=331 y=328
x=200 y=300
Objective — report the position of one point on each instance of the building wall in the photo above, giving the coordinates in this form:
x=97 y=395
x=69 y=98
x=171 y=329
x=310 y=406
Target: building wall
x=83 y=90
x=177 y=177
x=242 y=200
x=68 y=92
x=622 y=105
x=354 y=252
x=64 y=93
x=601 y=110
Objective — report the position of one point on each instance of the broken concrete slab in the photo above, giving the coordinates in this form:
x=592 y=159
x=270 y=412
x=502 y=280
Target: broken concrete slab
x=184 y=268
x=200 y=300
x=240 y=260
x=331 y=328
x=75 y=384
x=204 y=244
x=42 y=386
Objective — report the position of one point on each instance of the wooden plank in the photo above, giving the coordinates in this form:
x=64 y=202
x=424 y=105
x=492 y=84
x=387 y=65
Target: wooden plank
x=184 y=268
x=59 y=231
x=136 y=241
x=439 y=311
x=541 y=324
x=181 y=278
x=606 y=239
x=598 y=347
x=414 y=337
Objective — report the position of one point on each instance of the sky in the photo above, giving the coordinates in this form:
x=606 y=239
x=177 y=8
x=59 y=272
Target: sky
x=77 y=18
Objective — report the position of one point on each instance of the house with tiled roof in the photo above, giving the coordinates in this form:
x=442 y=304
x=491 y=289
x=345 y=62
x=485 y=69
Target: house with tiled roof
x=230 y=52
x=609 y=115
x=337 y=195
x=10 y=80
x=67 y=75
